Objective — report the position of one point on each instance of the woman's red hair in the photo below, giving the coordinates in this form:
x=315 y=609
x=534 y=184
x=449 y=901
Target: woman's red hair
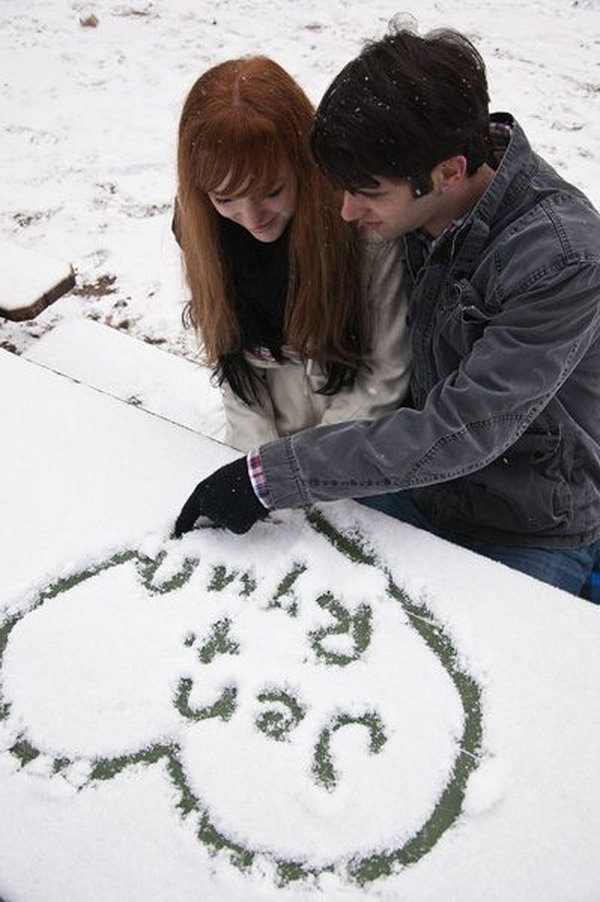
x=241 y=122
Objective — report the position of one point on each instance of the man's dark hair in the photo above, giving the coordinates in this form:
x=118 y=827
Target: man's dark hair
x=405 y=104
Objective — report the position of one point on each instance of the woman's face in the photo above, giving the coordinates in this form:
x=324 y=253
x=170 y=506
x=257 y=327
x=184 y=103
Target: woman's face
x=265 y=216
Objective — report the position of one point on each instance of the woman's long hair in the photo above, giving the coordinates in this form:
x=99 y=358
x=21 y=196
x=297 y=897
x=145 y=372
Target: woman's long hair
x=242 y=121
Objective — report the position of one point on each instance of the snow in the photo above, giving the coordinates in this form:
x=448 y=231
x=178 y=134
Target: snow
x=205 y=718
x=119 y=665
x=172 y=387
x=67 y=453
x=27 y=276
x=90 y=119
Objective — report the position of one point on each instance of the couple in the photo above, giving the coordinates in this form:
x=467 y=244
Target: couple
x=496 y=445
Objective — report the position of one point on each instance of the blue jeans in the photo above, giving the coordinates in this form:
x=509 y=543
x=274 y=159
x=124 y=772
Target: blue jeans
x=565 y=568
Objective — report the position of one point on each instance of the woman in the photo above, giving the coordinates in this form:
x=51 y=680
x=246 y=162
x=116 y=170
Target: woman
x=294 y=335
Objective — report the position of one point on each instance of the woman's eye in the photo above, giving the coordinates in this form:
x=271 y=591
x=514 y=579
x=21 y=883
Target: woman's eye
x=275 y=192
x=222 y=200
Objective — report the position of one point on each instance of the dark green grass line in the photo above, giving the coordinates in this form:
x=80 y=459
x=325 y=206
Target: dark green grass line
x=323 y=770
x=287 y=583
x=108 y=768
x=350 y=547
x=24 y=751
x=357 y=626
x=221 y=578
x=449 y=805
x=219 y=642
x=275 y=723
x=223 y=707
x=146 y=569
x=5 y=631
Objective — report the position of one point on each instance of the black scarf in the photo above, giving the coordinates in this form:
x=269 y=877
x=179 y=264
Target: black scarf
x=258 y=274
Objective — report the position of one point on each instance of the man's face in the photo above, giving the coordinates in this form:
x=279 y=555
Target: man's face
x=391 y=209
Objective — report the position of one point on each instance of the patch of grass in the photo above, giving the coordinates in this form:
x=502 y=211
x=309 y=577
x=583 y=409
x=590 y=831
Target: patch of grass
x=221 y=577
x=357 y=626
x=275 y=723
x=5 y=631
x=350 y=546
x=285 y=588
x=187 y=800
x=323 y=769
x=219 y=643
x=24 y=751
x=107 y=768
x=148 y=567
x=223 y=708
x=217 y=842
x=292 y=871
x=248 y=584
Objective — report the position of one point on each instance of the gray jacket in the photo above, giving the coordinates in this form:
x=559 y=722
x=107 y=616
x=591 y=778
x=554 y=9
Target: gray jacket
x=502 y=437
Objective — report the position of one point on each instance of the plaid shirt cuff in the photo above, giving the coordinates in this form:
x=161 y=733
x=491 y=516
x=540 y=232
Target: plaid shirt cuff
x=257 y=479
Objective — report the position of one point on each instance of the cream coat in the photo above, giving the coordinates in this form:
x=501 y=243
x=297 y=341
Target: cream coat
x=289 y=401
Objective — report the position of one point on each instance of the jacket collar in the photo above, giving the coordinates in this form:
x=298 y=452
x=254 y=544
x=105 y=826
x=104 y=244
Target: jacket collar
x=512 y=176
x=514 y=172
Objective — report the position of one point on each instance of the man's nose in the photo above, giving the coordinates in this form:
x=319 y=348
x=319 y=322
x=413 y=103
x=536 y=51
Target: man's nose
x=351 y=207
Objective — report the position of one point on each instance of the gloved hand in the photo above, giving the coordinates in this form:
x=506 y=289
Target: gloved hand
x=226 y=497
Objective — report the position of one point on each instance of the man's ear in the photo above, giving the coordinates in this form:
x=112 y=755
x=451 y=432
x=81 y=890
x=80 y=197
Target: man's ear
x=449 y=175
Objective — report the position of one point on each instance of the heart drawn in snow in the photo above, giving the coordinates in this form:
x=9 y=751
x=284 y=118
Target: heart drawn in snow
x=306 y=711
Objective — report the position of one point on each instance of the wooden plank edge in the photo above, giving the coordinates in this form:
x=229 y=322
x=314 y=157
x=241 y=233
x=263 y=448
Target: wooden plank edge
x=49 y=297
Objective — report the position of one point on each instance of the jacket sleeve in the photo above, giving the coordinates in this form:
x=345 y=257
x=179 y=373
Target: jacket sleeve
x=528 y=349
x=382 y=386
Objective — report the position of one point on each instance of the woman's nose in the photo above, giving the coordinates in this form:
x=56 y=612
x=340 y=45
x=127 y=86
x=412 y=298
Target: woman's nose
x=255 y=213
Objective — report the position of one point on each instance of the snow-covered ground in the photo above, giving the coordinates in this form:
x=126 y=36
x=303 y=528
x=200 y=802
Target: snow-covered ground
x=89 y=119
x=281 y=716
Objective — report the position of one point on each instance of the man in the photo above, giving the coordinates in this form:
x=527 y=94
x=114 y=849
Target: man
x=498 y=448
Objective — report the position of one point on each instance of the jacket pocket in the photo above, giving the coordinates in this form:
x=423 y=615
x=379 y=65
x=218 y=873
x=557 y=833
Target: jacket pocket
x=523 y=491
x=461 y=320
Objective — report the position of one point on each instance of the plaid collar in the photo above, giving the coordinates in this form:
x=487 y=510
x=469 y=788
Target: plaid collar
x=430 y=243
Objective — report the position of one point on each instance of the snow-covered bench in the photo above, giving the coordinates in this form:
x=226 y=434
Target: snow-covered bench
x=31 y=281
x=134 y=371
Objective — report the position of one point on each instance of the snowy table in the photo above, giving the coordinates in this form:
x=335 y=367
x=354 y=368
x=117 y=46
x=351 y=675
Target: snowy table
x=335 y=706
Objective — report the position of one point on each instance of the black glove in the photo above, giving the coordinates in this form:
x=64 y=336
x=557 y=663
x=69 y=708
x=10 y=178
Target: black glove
x=226 y=497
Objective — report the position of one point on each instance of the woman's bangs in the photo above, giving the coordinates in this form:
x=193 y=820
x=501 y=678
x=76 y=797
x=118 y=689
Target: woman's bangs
x=240 y=163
